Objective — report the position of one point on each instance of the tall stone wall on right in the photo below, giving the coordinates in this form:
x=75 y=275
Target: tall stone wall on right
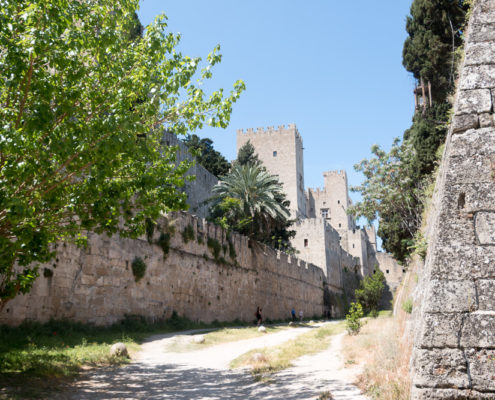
x=454 y=344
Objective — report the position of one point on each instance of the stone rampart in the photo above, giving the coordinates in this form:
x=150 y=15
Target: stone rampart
x=200 y=273
x=454 y=346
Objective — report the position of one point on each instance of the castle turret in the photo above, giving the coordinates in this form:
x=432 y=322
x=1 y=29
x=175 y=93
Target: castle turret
x=281 y=151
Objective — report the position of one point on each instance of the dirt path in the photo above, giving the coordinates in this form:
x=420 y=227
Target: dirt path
x=203 y=374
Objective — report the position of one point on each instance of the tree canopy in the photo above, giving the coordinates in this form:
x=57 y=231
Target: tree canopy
x=83 y=106
x=251 y=201
x=207 y=156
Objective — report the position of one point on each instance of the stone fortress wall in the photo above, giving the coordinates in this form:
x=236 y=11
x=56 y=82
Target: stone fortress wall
x=326 y=235
x=97 y=285
x=454 y=317
x=199 y=190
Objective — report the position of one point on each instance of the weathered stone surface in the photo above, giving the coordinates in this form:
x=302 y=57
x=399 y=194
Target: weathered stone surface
x=484 y=222
x=475 y=169
x=441 y=368
x=482 y=32
x=464 y=122
x=485 y=120
x=441 y=330
x=482 y=369
x=452 y=296
x=477 y=77
x=479 y=53
x=474 y=101
x=449 y=394
x=473 y=142
x=478 y=330
x=486 y=294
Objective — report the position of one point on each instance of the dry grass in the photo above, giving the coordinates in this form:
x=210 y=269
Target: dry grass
x=384 y=356
x=269 y=360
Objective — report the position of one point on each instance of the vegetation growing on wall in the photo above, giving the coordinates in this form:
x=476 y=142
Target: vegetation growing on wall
x=188 y=233
x=215 y=247
x=138 y=268
x=395 y=182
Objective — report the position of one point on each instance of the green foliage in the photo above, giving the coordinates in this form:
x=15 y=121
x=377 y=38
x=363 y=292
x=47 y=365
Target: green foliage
x=207 y=156
x=252 y=202
x=188 y=233
x=407 y=306
x=371 y=290
x=215 y=247
x=138 y=268
x=353 y=318
x=246 y=155
x=232 y=253
x=420 y=245
x=164 y=242
x=395 y=182
x=47 y=273
x=150 y=229
x=82 y=111
x=199 y=239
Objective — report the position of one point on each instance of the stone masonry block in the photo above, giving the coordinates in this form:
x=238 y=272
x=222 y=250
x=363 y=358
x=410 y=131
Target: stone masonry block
x=441 y=368
x=486 y=120
x=440 y=330
x=482 y=32
x=477 y=77
x=482 y=369
x=477 y=168
x=451 y=296
x=474 y=101
x=473 y=142
x=486 y=294
x=449 y=394
x=484 y=222
x=479 y=330
x=485 y=262
x=475 y=197
x=480 y=53
x=464 y=122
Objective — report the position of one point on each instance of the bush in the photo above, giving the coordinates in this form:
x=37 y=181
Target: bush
x=407 y=306
x=371 y=290
x=138 y=268
x=164 y=243
x=214 y=246
x=353 y=318
x=188 y=233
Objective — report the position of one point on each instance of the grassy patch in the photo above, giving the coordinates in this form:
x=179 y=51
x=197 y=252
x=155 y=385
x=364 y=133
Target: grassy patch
x=224 y=335
x=272 y=359
x=386 y=361
x=36 y=357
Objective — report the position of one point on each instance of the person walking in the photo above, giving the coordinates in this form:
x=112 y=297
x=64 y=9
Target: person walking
x=259 y=317
x=293 y=314
x=301 y=315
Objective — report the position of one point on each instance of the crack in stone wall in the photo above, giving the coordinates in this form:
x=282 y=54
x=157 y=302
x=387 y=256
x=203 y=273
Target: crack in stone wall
x=454 y=338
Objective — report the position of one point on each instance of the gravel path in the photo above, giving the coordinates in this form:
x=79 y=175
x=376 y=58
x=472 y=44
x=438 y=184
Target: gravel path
x=203 y=374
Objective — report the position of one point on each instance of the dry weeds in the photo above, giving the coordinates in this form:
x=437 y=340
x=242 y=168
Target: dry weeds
x=384 y=354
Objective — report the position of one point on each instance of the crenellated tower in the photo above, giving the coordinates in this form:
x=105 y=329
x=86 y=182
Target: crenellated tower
x=281 y=151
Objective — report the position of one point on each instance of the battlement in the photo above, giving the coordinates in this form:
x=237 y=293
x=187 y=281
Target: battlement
x=330 y=174
x=282 y=129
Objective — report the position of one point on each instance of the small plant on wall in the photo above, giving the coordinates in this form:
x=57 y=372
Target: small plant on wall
x=188 y=233
x=215 y=247
x=138 y=268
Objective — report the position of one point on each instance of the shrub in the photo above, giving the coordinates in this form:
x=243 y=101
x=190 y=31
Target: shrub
x=164 y=243
x=188 y=233
x=353 y=318
x=138 y=268
x=407 y=306
x=150 y=229
x=47 y=273
x=371 y=290
x=214 y=246
x=232 y=253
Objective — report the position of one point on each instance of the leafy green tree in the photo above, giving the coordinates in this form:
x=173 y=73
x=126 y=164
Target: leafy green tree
x=207 y=156
x=252 y=202
x=82 y=111
x=353 y=318
x=246 y=155
x=371 y=291
x=393 y=192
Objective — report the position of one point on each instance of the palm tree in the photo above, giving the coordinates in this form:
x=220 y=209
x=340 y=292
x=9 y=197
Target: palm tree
x=258 y=196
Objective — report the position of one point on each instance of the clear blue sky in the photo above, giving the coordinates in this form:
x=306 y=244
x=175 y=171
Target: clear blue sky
x=334 y=68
